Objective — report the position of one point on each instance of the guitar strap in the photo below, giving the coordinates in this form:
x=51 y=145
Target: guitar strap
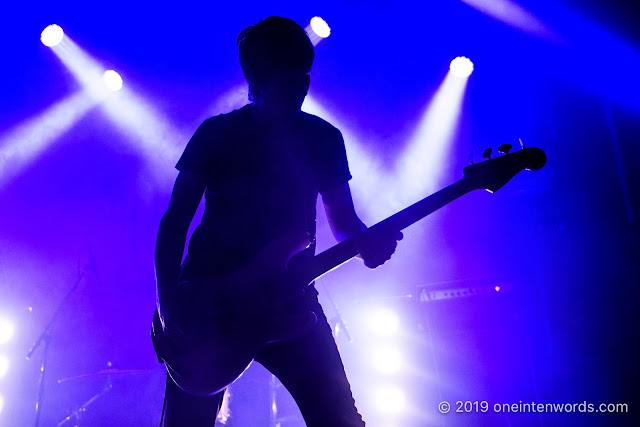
x=164 y=403
x=155 y=345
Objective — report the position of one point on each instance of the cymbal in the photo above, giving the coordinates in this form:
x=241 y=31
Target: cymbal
x=107 y=372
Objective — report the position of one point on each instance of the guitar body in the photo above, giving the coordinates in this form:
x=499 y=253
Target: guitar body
x=217 y=325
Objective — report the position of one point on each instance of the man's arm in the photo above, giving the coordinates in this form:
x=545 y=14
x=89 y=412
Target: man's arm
x=375 y=249
x=172 y=234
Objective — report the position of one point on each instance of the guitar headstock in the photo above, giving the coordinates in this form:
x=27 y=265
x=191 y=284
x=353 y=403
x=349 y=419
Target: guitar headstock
x=493 y=174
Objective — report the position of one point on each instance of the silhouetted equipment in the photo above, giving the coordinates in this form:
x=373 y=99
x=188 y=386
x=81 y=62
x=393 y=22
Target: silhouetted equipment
x=505 y=148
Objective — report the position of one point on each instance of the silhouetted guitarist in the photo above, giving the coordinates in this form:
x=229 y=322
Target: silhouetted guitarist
x=261 y=168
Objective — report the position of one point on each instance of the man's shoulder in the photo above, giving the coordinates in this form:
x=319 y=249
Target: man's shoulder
x=318 y=124
x=227 y=119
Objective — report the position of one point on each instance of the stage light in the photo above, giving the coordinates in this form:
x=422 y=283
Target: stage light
x=367 y=170
x=6 y=331
x=461 y=67
x=391 y=400
x=1 y=403
x=419 y=167
x=511 y=13
x=152 y=133
x=23 y=144
x=317 y=30
x=52 y=35
x=320 y=27
x=112 y=80
x=387 y=360
x=384 y=322
x=4 y=365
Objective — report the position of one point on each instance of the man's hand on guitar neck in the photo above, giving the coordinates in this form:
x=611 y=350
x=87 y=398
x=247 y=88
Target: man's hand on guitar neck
x=376 y=247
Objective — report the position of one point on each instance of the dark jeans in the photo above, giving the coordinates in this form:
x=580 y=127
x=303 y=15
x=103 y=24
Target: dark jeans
x=309 y=367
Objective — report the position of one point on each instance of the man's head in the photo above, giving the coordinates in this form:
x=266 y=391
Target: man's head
x=276 y=56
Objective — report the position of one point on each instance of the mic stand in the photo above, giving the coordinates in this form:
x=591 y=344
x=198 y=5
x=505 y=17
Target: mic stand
x=77 y=414
x=273 y=414
x=45 y=337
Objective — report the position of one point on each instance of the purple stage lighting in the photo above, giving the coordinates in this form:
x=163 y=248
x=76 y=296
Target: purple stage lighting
x=23 y=144
x=367 y=170
x=461 y=67
x=6 y=331
x=4 y=365
x=511 y=13
x=387 y=360
x=384 y=322
x=391 y=400
x=52 y=35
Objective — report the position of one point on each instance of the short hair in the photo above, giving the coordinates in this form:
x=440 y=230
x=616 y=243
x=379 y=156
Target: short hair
x=274 y=44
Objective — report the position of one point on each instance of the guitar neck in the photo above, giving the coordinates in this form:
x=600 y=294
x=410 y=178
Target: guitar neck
x=345 y=250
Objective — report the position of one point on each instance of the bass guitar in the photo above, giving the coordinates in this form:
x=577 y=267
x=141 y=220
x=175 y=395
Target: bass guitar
x=222 y=322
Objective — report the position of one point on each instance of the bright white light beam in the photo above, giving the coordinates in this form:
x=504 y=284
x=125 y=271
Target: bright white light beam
x=4 y=365
x=511 y=13
x=384 y=322
x=420 y=166
x=87 y=71
x=157 y=140
x=6 y=331
x=317 y=30
x=387 y=360
x=151 y=133
x=368 y=173
x=391 y=400
x=27 y=141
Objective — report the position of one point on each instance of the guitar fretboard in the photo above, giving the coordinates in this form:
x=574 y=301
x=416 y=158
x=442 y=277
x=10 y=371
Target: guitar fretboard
x=345 y=250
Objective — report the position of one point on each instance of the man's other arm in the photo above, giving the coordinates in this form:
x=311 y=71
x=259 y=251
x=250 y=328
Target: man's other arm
x=375 y=249
x=172 y=234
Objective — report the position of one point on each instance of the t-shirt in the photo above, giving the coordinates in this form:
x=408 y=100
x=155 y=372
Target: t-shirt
x=260 y=184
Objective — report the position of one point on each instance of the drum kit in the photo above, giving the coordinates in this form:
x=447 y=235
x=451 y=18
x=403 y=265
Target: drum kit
x=278 y=416
x=75 y=415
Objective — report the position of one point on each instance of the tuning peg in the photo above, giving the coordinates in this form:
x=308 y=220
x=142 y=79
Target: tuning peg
x=471 y=158
x=505 y=148
x=487 y=153
x=521 y=144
